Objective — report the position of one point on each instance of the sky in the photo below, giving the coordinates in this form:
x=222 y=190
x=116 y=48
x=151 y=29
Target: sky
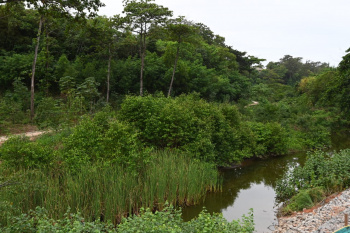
x=316 y=30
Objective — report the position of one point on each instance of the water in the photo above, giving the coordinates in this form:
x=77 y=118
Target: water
x=252 y=186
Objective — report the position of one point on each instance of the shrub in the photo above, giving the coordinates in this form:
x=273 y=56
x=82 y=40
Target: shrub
x=168 y=220
x=304 y=199
x=270 y=139
x=39 y=221
x=19 y=152
x=209 y=131
x=48 y=113
x=11 y=111
x=329 y=172
x=102 y=138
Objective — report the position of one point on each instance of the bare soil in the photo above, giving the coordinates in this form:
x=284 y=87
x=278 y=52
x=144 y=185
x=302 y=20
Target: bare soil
x=31 y=134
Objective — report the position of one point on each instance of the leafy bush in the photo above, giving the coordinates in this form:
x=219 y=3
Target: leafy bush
x=168 y=220
x=269 y=138
x=304 y=199
x=102 y=138
x=19 y=152
x=210 y=132
x=39 y=221
x=331 y=172
x=49 y=113
x=11 y=111
x=315 y=128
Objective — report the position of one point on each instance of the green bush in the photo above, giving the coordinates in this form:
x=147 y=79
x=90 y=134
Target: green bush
x=304 y=199
x=269 y=138
x=315 y=128
x=11 y=111
x=331 y=172
x=39 y=221
x=168 y=220
x=211 y=132
x=102 y=138
x=49 y=113
x=20 y=152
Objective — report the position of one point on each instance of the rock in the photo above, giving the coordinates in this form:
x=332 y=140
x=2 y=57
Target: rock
x=326 y=218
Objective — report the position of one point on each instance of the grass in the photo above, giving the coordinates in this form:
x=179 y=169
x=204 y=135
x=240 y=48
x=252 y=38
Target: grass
x=110 y=192
x=304 y=199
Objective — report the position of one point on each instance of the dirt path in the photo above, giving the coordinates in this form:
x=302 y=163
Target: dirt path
x=253 y=103
x=31 y=135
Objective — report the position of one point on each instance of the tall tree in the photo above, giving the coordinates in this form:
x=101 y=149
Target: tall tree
x=104 y=33
x=179 y=30
x=293 y=65
x=140 y=16
x=54 y=7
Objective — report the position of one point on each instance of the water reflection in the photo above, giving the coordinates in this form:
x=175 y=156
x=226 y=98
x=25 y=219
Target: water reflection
x=249 y=186
x=252 y=186
x=259 y=197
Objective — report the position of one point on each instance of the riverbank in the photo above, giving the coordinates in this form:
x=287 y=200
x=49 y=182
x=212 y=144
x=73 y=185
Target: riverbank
x=321 y=219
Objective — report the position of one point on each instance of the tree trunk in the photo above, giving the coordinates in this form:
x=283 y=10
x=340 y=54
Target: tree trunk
x=33 y=71
x=47 y=62
x=142 y=61
x=142 y=67
x=109 y=71
x=175 y=64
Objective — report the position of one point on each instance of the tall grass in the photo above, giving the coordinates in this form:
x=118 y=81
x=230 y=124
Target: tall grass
x=111 y=192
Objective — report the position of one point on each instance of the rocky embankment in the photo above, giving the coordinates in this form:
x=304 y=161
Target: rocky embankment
x=324 y=219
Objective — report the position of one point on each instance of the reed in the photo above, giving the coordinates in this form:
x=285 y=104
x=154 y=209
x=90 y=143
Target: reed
x=111 y=192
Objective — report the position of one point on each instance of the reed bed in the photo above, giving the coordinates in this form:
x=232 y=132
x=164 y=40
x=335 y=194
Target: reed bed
x=111 y=192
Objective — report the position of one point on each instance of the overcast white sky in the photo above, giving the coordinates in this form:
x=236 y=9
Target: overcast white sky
x=317 y=30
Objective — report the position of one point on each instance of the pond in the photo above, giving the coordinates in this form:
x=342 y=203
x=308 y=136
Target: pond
x=252 y=186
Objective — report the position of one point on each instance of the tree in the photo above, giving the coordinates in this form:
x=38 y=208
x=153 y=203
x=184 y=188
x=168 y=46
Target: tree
x=140 y=16
x=344 y=65
x=104 y=34
x=246 y=63
x=54 y=7
x=293 y=65
x=180 y=31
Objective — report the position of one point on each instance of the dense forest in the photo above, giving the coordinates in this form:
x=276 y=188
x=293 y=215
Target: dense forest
x=130 y=96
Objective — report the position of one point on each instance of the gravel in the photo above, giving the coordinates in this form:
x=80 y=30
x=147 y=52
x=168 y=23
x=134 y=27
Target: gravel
x=327 y=218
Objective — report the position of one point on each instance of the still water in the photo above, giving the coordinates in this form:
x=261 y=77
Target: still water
x=252 y=186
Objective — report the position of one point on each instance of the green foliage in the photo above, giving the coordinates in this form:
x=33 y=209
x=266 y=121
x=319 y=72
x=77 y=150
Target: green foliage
x=304 y=199
x=67 y=84
x=11 y=111
x=88 y=89
x=103 y=138
x=38 y=221
x=49 y=113
x=108 y=190
x=19 y=152
x=329 y=171
x=269 y=138
x=315 y=128
x=13 y=67
x=210 y=132
x=168 y=220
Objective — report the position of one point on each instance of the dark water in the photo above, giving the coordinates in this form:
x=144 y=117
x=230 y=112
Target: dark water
x=252 y=186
